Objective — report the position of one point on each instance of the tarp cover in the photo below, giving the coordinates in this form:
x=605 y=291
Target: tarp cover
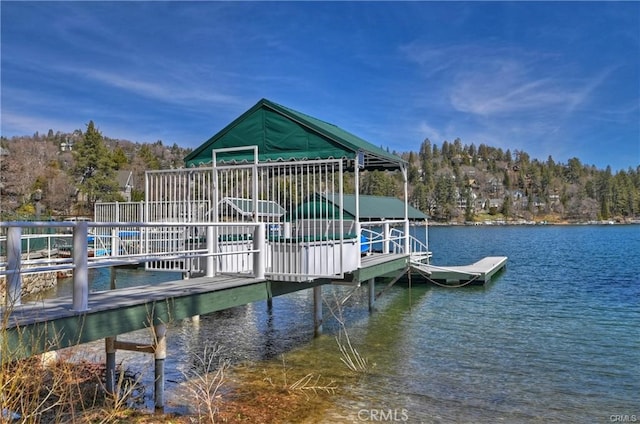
x=284 y=134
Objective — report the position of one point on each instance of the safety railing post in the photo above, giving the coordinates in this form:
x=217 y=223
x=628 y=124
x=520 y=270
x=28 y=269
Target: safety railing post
x=358 y=228
x=407 y=237
x=260 y=251
x=115 y=242
x=81 y=267
x=386 y=237
x=211 y=251
x=14 y=257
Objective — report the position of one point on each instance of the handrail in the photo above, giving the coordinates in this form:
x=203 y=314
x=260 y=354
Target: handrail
x=14 y=265
x=392 y=240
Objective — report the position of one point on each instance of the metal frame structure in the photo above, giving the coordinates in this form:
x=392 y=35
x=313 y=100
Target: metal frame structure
x=303 y=241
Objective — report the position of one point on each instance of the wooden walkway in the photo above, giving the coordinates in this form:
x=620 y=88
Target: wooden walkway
x=39 y=326
x=50 y=324
x=56 y=308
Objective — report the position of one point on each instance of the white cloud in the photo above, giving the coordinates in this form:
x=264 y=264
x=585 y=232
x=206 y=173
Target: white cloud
x=20 y=124
x=498 y=80
x=430 y=132
x=169 y=90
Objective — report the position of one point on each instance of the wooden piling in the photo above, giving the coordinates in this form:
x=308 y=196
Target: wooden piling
x=317 y=310
x=110 y=373
x=160 y=355
x=372 y=293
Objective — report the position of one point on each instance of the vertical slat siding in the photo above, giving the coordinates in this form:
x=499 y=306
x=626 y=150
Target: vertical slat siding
x=298 y=250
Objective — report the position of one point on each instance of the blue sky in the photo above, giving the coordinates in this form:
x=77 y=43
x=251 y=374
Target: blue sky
x=548 y=78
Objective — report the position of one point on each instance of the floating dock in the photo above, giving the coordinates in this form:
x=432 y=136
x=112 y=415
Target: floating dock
x=478 y=273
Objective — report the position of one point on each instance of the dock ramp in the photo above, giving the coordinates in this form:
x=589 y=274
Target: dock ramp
x=478 y=273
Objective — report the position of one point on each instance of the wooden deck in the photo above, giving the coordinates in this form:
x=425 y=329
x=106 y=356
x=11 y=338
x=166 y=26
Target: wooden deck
x=50 y=324
x=477 y=273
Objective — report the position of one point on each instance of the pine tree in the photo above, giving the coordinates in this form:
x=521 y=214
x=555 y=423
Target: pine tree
x=95 y=168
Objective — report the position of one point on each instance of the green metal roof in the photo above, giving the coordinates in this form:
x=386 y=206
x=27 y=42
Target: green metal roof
x=380 y=207
x=283 y=134
x=318 y=207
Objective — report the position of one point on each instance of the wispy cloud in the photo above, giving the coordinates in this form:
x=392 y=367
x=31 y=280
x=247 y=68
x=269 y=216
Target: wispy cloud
x=496 y=80
x=166 y=90
x=17 y=123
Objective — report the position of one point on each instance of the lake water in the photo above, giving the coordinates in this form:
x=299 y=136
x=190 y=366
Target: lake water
x=555 y=338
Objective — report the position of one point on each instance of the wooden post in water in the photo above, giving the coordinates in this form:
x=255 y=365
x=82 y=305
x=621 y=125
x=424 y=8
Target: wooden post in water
x=372 y=293
x=269 y=304
x=110 y=377
x=317 y=310
x=160 y=353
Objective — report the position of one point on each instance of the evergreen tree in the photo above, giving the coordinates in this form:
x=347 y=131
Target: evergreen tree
x=94 y=168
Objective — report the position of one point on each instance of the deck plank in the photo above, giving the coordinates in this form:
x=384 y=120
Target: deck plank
x=58 y=308
x=43 y=325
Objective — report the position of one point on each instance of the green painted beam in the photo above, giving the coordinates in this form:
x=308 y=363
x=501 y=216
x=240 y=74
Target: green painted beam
x=380 y=269
x=76 y=329
x=68 y=331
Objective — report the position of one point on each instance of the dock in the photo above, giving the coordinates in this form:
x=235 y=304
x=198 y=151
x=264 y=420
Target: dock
x=478 y=273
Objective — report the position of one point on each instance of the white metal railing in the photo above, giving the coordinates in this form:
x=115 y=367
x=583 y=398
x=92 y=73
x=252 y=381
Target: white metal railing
x=382 y=236
x=308 y=236
x=385 y=237
x=108 y=250
x=418 y=250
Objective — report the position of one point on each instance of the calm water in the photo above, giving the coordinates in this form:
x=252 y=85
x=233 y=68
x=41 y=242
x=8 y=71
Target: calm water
x=555 y=338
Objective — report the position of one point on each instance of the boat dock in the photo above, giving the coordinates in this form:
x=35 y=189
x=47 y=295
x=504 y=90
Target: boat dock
x=478 y=273
x=253 y=214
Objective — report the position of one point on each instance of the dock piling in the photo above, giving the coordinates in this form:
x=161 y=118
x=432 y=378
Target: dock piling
x=317 y=310
x=110 y=375
x=372 y=293
x=160 y=355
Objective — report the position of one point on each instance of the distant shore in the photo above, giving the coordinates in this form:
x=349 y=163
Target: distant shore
x=532 y=223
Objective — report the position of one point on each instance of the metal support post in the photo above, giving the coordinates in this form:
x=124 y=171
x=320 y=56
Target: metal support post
x=81 y=267
x=386 y=234
x=211 y=250
x=259 y=254
x=115 y=251
x=115 y=242
x=14 y=258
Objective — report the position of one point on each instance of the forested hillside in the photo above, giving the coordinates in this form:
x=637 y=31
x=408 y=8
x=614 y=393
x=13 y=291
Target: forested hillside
x=64 y=174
